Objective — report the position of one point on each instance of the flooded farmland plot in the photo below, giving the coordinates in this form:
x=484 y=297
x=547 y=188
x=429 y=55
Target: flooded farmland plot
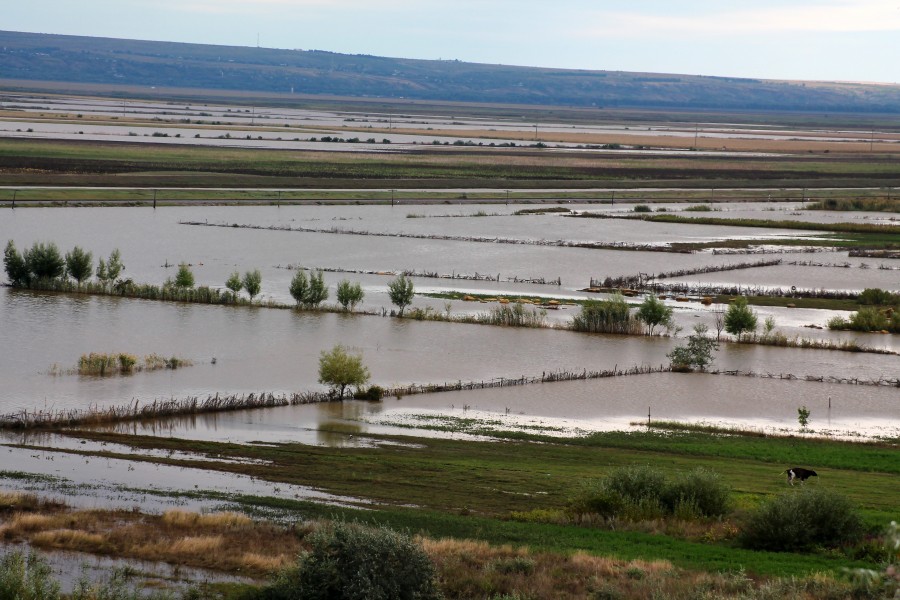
x=251 y=349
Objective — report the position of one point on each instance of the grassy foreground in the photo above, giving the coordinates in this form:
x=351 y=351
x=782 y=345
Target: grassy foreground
x=514 y=491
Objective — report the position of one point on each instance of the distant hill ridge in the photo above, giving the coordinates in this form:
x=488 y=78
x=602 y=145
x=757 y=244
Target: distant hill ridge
x=44 y=57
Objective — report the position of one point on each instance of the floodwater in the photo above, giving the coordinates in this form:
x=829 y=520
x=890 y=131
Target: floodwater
x=264 y=349
x=561 y=408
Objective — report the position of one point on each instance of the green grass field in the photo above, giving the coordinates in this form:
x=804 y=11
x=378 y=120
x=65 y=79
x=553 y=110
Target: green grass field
x=468 y=489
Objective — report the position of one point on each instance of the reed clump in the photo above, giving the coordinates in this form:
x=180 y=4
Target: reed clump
x=120 y=363
x=607 y=316
x=514 y=315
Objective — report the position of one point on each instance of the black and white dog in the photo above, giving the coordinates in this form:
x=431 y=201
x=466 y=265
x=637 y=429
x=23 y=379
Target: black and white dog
x=799 y=473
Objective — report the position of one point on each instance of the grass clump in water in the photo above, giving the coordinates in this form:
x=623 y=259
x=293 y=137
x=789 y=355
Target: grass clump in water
x=99 y=364
x=607 y=316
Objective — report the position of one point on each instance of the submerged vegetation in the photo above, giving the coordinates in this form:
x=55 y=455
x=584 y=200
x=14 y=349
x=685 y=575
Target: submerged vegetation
x=102 y=365
x=607 y=316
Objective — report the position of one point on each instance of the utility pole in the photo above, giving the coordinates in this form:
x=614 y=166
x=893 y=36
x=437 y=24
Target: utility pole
x=507 y=197
x=696 y=133
x=154 y=199
x=14 y=199
x=392 y=197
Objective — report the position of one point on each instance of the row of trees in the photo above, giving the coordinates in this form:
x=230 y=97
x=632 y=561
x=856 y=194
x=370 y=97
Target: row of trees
x=46 y=262
x=309 y=291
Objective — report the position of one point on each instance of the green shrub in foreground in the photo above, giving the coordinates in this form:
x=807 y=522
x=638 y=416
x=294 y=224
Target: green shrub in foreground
x=801 y=520
x=349 y=561
x=26 y=578
x=643 y=492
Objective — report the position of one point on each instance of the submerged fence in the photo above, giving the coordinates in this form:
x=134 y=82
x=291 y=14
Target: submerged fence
x=431 y=274
x=193 y=405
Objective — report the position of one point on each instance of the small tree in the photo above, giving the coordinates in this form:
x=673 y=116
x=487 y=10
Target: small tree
x=401 y=292
x=317 y=292
x=234 y=283
x=44 y=261
x=79 y=264
x=803 y=417
x=698 y=353
x=349 y=294
x=654 y=313
x=109 y=270
x=740 y=318
x=252 y=282
x=184 y=278
x=16 y=269
x=114 y=266
x=299 y=287
x=719 y=321
x=339 y=369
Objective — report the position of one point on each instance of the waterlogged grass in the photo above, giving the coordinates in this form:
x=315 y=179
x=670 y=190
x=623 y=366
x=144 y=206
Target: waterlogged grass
x=468 y=489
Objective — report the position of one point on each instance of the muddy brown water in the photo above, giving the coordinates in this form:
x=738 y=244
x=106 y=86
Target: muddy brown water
x=277 y=350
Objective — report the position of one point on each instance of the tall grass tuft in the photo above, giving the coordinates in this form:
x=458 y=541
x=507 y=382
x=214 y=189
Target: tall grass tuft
x=607 y=316
x=97 y=364
x=514 y=315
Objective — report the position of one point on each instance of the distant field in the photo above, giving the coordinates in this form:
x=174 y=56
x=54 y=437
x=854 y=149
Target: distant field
x=69 y=163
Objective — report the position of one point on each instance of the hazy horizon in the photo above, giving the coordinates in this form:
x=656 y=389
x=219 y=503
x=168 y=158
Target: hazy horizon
x=810 y=40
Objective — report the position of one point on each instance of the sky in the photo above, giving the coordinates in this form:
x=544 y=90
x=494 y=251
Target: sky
x=844 y=40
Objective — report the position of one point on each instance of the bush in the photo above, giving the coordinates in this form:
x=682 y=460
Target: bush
x=700 y=490
x=606 y=316
x=877 y=296
x=801 y=520
x=373 y=393
x=26 y=578
x=349 y=561
x=642 y=208
x=698 y=353
x=643 y=492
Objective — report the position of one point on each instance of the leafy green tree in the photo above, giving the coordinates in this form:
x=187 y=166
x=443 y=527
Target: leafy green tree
x=317 y=292
x=79 y=264
x=252 y=282
x=184 y=278
x=114 y=266
x=349 y=294
x=739 y=317
x=109 y=270
x=16 y=269
x=339 y=369
x=697 y=353
x=299 y=286
x=654 y=313
x=234 y=283
x=44 y=261
x=401 y=292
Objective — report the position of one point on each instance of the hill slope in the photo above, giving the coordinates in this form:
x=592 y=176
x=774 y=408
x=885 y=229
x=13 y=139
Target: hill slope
x=43 y=57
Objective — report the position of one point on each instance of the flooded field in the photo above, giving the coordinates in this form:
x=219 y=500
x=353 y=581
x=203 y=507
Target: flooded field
x=258 y=349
